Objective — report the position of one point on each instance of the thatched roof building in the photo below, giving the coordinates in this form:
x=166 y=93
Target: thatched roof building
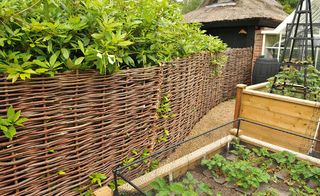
x=264 y=12
x=238 y=22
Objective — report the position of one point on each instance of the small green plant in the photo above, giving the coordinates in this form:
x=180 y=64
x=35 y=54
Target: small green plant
x=302 y=171
x=293 y=76
x=84 y=191
x=8 y=125
x=164 y=108
x=51 y=151
x=188 y=186
x=87 y=193
x=164 y=136
x=283 y=158
x=258 y=166
x=61 y=172
x=244 y=175
x=219 y=62
x=119 y=183
x=97 y=178
x=303 y=191
x=127 y=161
x=240 y=150
x=261 y=152
x=215 y=163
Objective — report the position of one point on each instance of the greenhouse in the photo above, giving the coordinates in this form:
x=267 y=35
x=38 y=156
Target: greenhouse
x=274 y=40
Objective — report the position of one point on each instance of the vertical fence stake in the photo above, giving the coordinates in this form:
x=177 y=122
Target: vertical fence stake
x=240 y=88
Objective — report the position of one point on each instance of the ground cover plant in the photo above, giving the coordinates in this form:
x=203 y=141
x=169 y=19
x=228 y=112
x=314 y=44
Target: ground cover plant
x=255 y=171
x=43 y=37
x=291 y=75
x=188 y=186
x=256 y=166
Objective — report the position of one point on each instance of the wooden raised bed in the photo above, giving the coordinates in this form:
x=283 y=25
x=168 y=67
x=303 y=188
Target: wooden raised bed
x=292 y=114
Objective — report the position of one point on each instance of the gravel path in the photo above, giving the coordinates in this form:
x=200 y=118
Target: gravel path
x=219 y=115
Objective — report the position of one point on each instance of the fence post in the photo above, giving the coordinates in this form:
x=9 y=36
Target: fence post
x=240 y=88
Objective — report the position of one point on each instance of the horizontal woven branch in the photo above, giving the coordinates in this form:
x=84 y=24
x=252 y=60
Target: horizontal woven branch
x=92 y=123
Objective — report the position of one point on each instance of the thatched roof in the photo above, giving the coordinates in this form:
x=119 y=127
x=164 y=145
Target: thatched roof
x=210 y=11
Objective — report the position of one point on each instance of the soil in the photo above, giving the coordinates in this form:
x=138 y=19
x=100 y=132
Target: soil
x=198 y=173
x=217 y=116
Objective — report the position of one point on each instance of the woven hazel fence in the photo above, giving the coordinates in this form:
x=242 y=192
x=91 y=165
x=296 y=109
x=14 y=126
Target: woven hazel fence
x=81 y=123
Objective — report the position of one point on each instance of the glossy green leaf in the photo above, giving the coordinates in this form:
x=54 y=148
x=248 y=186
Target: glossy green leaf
x=53 y=58
x=11 y=114
x=65 y=53
x=10 y=133
x=79 y=60
x=21 y=121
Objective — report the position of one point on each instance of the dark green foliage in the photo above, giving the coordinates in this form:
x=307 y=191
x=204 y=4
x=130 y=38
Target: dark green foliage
x=44 y=37
x=294 y=76
x=97 y=178
x=288 y=5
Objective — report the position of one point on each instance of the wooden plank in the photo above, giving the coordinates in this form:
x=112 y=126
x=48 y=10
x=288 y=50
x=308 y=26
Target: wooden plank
x=294 y=124
x=282 y=98
x=103 y=191
x=257 y=86
x=240 y=88
x=275 y=137
x=281 y=107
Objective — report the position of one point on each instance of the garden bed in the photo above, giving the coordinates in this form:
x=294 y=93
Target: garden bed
x=295 y=115
x=245 y=170
x=267 y=169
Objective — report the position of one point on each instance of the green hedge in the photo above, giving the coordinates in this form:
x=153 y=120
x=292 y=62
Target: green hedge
x=48 y=36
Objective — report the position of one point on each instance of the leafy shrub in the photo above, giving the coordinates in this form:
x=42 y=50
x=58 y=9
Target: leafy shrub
x=44 y=37
x=294 y=76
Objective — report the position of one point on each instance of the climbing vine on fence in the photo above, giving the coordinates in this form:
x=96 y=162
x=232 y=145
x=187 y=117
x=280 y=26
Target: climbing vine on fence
x=9 y=123
x=50 y=36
